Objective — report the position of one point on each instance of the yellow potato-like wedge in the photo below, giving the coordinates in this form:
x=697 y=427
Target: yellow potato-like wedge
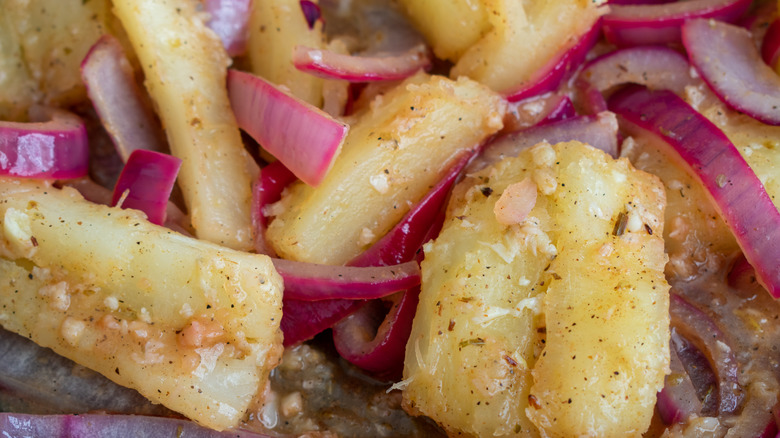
x=187 y=323
x=457 y=25
x=556 y=325
x=42 y=43
x=392 y=156
x=275 y=28
x=524 y=37
x=185 y=67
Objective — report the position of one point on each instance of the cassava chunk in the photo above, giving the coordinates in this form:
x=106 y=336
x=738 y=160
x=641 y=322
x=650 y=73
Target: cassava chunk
x=275 y=28
x=185 y=66
x=189 y=324
x=557 y=325
x=42 y=43
x=393 y=154
x=458 y=24
x=523 y=37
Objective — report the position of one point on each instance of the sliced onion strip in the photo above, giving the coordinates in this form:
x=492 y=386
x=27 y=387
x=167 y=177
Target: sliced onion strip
x=146 y=183
x=403 y=241
x=599 y=131
x=301 y=136
x=121 y=106
x=656 y=67
x=56 y=148
x=631 y=25
x=705 y=150
x=331 y=65
x=700 y=329
x=267 y=189
x=229 y=19
x=730 y=63
x=678 y=400
x=302 y=320
x=106 y=425
x=313 y=282
x=770 y=45
x=380 y=351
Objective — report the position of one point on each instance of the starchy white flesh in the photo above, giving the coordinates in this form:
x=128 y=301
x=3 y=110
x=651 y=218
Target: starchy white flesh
x=275 y=28
x=185 y=67
x=187 y=323
x=394 y=153
x=523 y=37
x=42 y=43
x=457 y=26
x=556 y=326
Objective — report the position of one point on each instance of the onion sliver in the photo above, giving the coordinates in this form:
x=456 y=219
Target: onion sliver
x=770 y=45
x=742 y=277
x=118 y=101
x=737 y=192
x=301 y=136
x=311 y=11
x=632 y=25
x=314 y=282
x=558 y=68
x=146 y=183
x=656 y=67
x=379 y=350
x=697 y=366
x=403 y=241
x=267 y=189
x=229 y=19
x=331 y=65
x=537 y=110
x=728 y=60
x=702 y=331
x=53 y=149
x=678 y=400
x=599 y=131
x=302 y=320
x=106 y=425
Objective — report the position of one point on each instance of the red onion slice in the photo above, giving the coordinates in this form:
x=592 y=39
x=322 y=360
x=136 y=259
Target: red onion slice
x=742 y=277
x=699 y=369
x=537 y=110
x=655 y=67
x=738 y=194
x=702 y=331
x=730 y=63
x=558 y=68
x=379 y=350
x=677 y=400
x=108 y=426
x=633 y=25
x=402 y=242
x=52 y=149
x=146 y=183
x=314 y=282
x=770 y=45
x=302 y=320
x=267 y=189
x=311 y=11
x=599 y=131
x=331 y=65
x=562 y=109
x=301 y=136
x=120 y=103
x=230 y=20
